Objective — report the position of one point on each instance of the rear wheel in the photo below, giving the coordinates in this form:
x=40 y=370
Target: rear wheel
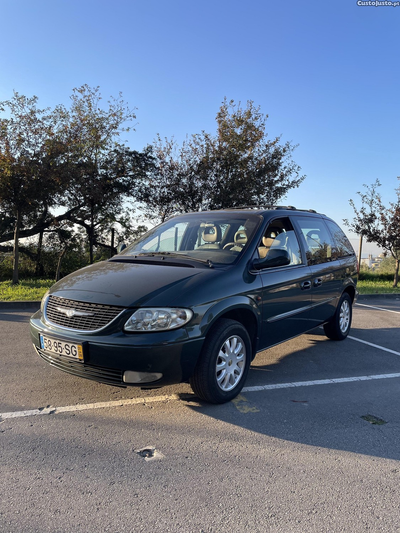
x=224 y=362
x=339 y=326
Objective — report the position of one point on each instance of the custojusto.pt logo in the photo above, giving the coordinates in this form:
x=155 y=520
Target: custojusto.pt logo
x=378 y=3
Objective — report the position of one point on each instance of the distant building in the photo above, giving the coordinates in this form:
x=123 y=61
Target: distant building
x=371 y=261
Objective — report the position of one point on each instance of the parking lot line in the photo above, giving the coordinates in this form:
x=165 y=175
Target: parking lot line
x=173 y=397
x=379 y=308
x=257 y=388
x=373 y=345
x=87 y=406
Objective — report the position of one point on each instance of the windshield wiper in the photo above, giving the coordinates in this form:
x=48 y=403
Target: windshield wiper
x=177 y=254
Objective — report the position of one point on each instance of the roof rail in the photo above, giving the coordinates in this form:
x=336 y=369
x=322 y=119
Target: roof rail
x=258 y=207
x=270 y=207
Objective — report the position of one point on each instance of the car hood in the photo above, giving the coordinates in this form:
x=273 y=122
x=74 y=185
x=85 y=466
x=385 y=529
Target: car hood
x=130 y=284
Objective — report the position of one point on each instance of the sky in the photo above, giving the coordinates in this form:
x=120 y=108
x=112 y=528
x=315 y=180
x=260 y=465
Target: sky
x=327 y=74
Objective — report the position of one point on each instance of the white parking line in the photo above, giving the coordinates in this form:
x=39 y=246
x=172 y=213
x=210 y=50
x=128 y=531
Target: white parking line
x=85 y=406
x=173 y=397
x=318 y=382
x=373 y=345
x=379 y=308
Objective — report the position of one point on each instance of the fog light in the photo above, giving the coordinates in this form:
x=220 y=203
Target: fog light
x=130 y=376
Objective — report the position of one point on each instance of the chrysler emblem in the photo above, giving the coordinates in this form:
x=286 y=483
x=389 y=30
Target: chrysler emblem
x=72 y=312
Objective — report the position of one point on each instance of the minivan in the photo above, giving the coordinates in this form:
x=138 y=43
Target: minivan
x=195 y=298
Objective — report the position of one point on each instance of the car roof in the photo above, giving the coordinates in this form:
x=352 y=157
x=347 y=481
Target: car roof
x=258 y=210
x=262 y=209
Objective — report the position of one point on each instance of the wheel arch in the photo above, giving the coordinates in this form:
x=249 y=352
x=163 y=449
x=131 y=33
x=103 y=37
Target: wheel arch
x=244 y=311
x=351 y=291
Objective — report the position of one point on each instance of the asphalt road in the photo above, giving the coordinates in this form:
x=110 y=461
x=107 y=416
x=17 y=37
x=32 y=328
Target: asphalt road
x=311 y=445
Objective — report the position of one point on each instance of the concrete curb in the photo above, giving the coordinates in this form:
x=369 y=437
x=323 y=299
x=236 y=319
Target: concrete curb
x=389 y=296
x=20 y=305
x=36 y=304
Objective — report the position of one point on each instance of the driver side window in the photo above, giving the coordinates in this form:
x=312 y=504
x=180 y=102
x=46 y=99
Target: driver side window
x=280 y=238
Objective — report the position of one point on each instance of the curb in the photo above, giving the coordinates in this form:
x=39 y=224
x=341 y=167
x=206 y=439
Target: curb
x=389 y=296
x=20 y=305
x=36 y=304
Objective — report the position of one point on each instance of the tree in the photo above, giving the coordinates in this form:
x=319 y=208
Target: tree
x=377 y=223
x=238 y=166
x=30 y=179
x=104 y=172
x=67 y=159
x=247 y=167
x=172 y=182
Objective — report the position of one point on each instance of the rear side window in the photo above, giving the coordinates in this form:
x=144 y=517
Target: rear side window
x=343 y=247
x=320 y=247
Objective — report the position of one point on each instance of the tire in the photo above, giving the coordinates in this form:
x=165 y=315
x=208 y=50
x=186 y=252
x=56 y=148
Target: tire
x=224 y=362
x=338 y=327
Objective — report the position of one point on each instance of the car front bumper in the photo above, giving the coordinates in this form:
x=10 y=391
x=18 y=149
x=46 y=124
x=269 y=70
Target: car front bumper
x=115 y=359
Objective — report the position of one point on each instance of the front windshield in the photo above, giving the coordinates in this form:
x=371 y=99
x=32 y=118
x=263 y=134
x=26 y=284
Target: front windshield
x=219 y=238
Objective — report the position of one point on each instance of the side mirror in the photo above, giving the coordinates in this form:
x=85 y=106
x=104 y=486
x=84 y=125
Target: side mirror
x=121 y=247
x=274 y=258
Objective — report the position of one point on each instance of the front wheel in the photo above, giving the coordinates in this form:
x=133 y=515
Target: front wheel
x=224 y=363
x=339 y=326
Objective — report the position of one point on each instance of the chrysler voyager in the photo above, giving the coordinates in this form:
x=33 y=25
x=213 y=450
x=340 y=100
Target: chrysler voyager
x=195 y=298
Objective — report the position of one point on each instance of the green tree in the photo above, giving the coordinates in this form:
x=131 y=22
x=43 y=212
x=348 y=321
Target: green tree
x=237 y=166
x=377 y=223
x=68 y=159
x=30 y=176
x=172 y=182
x=104 y=172
x=246 y=167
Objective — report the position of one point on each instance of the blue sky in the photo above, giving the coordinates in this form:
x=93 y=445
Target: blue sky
x=326 y=73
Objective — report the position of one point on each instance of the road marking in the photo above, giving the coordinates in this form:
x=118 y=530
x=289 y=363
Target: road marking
x=318 y=382
x=373 y=345
x=380 y=308
x=243 y=405
x=173 y=397
x=85 y=406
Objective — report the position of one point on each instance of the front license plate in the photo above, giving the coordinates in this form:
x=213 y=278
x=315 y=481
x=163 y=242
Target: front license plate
x=68 y=349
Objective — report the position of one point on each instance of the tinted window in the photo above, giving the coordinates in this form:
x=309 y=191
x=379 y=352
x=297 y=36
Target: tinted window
x=318 y=240
x=280 y=235
x=343 y=247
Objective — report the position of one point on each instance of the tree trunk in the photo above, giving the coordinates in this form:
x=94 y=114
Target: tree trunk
x=90 y=246
x=112 y=242
x=58 y=272
x=39 y=270
x=91 y=234
x=17 y=227
x=396 y=273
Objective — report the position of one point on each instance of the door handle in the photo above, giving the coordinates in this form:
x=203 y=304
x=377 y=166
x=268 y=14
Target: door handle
x=317 y=282
x=306 y=285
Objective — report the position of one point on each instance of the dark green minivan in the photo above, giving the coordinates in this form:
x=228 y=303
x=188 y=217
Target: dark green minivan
x=197 y=297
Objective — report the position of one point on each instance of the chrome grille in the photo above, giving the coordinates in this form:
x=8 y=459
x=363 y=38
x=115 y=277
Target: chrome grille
x=80 y=316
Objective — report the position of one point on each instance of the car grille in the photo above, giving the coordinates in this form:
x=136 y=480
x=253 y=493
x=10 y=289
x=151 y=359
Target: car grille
x=80 y=316
x=110 y=376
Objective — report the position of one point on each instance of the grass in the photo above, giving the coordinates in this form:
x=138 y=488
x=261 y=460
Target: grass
x=34 y=289
x=377 y=287
x=376 y=283
x=26 y=290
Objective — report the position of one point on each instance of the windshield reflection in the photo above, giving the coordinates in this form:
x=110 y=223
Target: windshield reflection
x=206 y=237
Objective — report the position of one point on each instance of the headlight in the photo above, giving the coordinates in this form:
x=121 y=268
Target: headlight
x=158 y=319
x=43 y=302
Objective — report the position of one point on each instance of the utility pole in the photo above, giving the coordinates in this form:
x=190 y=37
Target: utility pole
x=359 y=251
